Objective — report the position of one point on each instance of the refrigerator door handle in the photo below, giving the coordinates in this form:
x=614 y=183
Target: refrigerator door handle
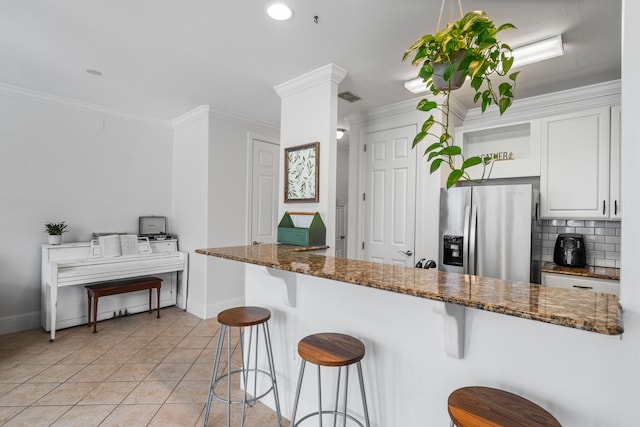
x=472 y=240
x=465 y=240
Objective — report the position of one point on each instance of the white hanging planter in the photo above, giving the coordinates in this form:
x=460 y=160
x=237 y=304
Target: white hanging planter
x=55 y=239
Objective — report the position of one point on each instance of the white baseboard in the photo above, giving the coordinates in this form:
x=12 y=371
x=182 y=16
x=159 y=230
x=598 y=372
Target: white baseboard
x=19 y=322
x=211 y=310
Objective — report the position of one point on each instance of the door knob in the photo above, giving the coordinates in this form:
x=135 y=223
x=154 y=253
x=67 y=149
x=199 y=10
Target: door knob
x=407 y=252
x=255 y=242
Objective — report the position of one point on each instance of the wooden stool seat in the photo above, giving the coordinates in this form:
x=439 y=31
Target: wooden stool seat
x=244 y=316
x=490 y=407
x=331 y=349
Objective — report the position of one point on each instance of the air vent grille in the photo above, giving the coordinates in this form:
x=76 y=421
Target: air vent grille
x=348 y=96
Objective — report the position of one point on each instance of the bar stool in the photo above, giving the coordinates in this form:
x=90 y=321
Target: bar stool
x=490 y=407
x=331 y=349
x=242 y=317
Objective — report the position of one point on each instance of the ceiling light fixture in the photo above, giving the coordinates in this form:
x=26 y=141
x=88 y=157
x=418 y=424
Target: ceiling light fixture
x=522 y=55
x=340 y=133
x=94 y=72
x=538 y=51
x=279 y=11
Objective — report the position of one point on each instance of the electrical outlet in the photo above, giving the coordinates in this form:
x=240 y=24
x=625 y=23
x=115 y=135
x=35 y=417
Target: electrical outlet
x=294 y=356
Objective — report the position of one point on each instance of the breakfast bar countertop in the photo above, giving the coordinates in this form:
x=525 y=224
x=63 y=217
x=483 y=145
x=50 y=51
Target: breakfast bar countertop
x=573 y=308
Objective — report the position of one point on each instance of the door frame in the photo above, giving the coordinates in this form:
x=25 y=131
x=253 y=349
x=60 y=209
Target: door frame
x=251 y=137
x=428 y=186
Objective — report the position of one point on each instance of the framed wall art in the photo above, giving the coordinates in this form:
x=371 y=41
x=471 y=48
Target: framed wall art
x=301 y=173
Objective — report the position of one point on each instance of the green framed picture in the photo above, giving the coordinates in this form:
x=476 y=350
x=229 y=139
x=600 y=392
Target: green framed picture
x=301 y=173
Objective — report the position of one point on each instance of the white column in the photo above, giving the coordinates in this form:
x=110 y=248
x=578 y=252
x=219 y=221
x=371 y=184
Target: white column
x=309 y=114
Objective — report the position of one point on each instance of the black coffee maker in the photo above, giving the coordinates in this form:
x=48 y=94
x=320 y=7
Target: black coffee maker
x=569 y=250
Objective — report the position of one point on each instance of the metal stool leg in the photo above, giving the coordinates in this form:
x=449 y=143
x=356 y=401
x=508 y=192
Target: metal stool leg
x=364 y=397
x=346 y=389
x=244 y=369
x=335 y=412
x=319 y=398
x=214 y=372
x=295 y=401
x=272 y=369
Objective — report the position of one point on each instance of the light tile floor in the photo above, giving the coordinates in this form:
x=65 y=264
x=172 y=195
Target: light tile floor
x=136 y=371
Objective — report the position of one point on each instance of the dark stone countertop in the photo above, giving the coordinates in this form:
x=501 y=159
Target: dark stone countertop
x=572 y=308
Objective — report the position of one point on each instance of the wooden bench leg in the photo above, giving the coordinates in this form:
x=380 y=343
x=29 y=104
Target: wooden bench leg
x=158 y=316
x=150 y=292
x=89 y=308
x=95 y=313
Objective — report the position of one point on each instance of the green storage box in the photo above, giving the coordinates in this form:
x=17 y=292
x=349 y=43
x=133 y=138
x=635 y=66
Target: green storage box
x=315 y=235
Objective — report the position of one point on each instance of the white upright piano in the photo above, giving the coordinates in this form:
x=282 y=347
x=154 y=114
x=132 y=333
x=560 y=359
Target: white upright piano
x=66 y=267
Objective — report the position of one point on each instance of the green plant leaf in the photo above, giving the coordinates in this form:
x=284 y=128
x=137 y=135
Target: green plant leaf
x=426 y=105
x=444 y=138
x=428 y=123
x=435 y=165
x=454 y=177
x=507 y=62
x=448 y=72
x=452 y=150
x=513 y=76
x=432 y=147
x=505 y=90
x=432 y=155
x=419 y=137
x=506 y=26
x=503 y=104
x=471 y=161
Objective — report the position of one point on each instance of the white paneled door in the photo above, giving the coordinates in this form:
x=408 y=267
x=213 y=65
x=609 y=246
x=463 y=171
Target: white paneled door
x=389 y=199
x=264 y=197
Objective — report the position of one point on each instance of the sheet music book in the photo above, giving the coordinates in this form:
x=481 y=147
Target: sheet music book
x=119 y=245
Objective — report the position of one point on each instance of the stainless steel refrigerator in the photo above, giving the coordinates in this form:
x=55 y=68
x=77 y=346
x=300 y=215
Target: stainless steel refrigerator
x=487 y=231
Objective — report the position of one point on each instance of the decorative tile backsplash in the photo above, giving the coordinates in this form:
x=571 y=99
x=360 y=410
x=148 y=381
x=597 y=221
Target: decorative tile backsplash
x=602 y=239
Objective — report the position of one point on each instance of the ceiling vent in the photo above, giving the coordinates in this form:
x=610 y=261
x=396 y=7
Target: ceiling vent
x=348 y=96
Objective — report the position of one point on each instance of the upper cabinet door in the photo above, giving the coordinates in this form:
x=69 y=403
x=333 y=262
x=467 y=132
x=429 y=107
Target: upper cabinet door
x=615 y=184
x=574 y=167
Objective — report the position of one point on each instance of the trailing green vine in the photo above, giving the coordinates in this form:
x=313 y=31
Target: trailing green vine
x=485 y=58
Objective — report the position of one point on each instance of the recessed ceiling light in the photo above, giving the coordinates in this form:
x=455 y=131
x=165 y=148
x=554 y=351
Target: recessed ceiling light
x=279 y=11
x=94 y=72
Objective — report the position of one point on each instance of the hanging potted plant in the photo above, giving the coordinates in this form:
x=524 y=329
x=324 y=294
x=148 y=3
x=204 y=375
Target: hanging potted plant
x=55 y=230
x=466 y=48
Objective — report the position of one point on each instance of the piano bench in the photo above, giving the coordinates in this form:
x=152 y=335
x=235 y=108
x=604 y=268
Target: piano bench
x=116 y=287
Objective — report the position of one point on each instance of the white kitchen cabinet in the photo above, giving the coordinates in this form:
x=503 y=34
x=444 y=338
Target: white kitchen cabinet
x=615 y=211
x=574 y=168
x=570 y=282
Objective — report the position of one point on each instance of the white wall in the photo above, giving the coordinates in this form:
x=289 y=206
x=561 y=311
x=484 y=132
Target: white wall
x=342 y=175
x=210 y=204
x=56 y=165
x=190 y=198
x=309 y=113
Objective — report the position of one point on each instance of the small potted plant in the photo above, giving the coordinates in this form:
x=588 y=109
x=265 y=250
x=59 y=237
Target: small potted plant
x=466 y=48
x=55 y=230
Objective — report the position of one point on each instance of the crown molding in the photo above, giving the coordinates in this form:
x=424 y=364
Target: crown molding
x=189 y=117
x=203 y=111
x=243 y=120
x=597 y=95
x=402 y=107
x=60 y=101
x=328 y=73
